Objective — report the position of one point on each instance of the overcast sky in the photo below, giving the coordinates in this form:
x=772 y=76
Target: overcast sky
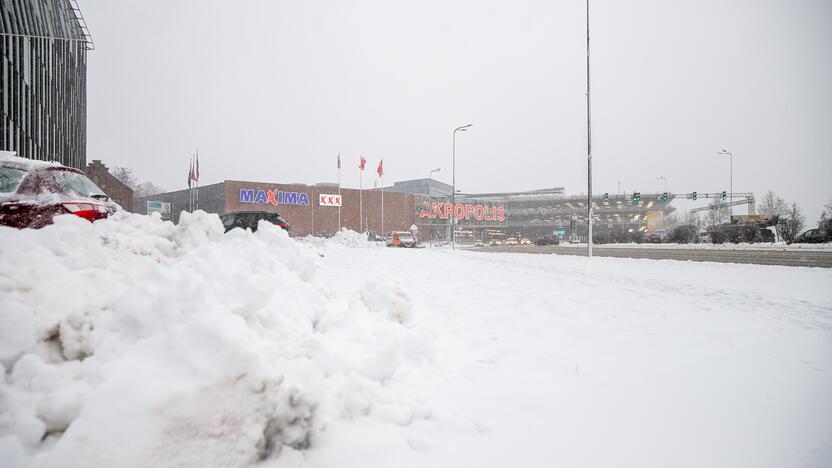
x=273 y=90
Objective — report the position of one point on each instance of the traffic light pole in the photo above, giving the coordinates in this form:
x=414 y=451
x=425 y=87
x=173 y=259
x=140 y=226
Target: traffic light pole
x=588 y=145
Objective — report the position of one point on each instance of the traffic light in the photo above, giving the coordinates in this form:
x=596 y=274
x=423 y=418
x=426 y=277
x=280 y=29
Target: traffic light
x=664 y=197
x=724 y=195
x=636 y=197
x=606 y=197
x=694 y=195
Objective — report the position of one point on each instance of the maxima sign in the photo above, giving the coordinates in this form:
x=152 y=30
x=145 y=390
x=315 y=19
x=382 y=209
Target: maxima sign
x=325 y=199
x=273 y=197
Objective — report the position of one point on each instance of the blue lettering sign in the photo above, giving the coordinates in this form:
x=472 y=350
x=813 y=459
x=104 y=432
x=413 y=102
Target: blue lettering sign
x=246 y=196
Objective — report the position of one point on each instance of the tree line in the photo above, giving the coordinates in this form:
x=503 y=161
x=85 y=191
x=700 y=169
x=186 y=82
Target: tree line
x=788 y=219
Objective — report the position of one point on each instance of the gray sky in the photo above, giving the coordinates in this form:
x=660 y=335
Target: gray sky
x=274 y=90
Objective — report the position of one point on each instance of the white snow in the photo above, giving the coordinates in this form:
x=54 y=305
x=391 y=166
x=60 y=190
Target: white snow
x=11 y=158
x=136 y=342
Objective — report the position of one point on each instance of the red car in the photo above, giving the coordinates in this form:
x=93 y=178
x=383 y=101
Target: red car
x=33 y=192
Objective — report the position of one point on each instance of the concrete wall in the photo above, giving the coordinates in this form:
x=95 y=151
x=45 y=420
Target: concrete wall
x=211 y=200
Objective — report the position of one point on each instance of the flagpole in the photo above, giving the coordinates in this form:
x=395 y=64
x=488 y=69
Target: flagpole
x=197 y=179
x=360 y=201
x=339 y=193
x=190 y=186
x=382 y=202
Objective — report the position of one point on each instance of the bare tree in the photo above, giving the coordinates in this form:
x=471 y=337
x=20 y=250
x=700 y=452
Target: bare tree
x=717 y=213
x=692 y=218
x=792 y=224
x=140 y=189
x=772 y=205
x=125 y=174
x=147 y=188
x=671 y=221
x=826 y=217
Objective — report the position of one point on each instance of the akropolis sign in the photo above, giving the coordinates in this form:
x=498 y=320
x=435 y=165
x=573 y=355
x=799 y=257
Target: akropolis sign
x=462 y=211
x=273 y=197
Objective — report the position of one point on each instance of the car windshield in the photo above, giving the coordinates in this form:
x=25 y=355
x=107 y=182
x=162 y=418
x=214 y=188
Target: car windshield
x=77 y=184
x=10 y=179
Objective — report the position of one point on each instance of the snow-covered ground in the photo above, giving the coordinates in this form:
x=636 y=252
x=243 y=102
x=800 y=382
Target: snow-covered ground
x=133 y=342
x=779 y=246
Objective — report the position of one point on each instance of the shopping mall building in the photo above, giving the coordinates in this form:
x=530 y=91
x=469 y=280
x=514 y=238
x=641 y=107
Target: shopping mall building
x=427 y=203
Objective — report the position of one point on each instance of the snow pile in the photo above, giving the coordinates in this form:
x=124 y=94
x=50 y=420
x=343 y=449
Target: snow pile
x=136 y=342
x=778 y=246
x=348 y=238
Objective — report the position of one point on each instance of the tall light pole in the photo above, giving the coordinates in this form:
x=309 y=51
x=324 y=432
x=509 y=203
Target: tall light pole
x=588 y=145
x=430 y=178
x=463 y=128
x=731 y=186
x=665 y=182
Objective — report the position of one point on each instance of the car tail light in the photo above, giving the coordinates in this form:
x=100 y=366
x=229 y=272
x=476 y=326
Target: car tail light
x=87 y=211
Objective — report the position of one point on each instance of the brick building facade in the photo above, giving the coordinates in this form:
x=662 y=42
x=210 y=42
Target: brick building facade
x=120 y=192
x=299 y=204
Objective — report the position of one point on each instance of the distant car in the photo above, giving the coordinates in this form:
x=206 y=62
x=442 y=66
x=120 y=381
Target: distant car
x=495 y=242
x=657 y=237
x=547 y=241
x=525 y=241
x=33 y=192
x=511 y=241
x=250 y=219
x=478 y=243
x=813 y=236
x=401 y=239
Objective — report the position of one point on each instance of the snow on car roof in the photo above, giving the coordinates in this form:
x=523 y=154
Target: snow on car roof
x=10 y=158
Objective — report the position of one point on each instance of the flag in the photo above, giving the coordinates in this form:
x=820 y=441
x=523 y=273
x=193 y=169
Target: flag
x=339 y=160
x=196 y=175
x=191 y=173
x=363 y=162
x=380 y=169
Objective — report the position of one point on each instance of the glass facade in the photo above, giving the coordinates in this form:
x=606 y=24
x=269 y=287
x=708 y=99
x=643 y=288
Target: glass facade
x=44 y=44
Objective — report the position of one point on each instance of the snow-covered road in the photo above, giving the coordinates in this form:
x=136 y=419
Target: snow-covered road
x=135 y=343
x=547 y=360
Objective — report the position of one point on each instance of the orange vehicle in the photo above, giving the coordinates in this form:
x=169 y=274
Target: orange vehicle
x=401 y=239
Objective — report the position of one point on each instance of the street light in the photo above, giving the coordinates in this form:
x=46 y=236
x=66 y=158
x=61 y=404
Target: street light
x=430 y=178
x=731 y=186
x=665 y=182
x=463 y=128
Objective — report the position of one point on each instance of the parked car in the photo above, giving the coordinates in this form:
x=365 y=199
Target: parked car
x=740 y=232
x=547 y=241
x=478 y=243
x=657 y=237
x=525 y=241
x=495 y=242
x=250 y=219
x=401 y=239
x=511 y=241
x=33 y=192
x=813 y=236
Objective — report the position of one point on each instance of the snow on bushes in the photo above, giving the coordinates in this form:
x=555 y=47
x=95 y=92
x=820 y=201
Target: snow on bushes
x=137 y=342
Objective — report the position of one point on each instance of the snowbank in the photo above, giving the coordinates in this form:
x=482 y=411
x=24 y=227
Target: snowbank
x=344 y=238
x=136 y=342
